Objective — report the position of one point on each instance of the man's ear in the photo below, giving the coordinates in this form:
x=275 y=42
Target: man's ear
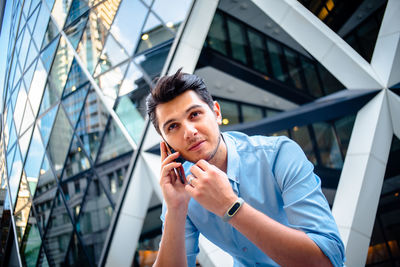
x=217 y=111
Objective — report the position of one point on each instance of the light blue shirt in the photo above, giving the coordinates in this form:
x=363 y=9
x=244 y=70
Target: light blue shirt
x=272 y=175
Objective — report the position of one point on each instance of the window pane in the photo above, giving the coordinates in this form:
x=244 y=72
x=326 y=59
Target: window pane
x=22 y=208
x=37 y=87
x=95 y=219
x=257 y=51
x=237 y=40
x=217 y=35
x=76 y=78
x=172 y=12
x=251 y=113
x=344 y=128
x=60 y=11
x=128 y=24
x=275 y=55
x=74 y=32
x=230 y=112
x=310 y=73
x=15 y=176
x=76 y=160
x=302 y=137
x=46 y=123
x=294 y=68
x=73 y=104
x=31 y=242
x=328 y=146
x=130 y=117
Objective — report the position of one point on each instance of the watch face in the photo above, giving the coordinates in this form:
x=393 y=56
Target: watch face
x=234 y=208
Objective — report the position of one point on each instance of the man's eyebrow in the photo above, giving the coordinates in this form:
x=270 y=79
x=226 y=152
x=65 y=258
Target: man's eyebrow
x=186 y=112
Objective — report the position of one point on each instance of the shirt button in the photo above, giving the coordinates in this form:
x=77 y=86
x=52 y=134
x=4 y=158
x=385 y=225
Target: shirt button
x=244 y=249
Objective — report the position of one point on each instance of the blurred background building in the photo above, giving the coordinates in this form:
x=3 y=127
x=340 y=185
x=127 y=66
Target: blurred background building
x=79 y=161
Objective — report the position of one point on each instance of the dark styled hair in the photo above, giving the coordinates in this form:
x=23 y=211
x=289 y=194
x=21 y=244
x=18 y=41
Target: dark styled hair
x=169 y=87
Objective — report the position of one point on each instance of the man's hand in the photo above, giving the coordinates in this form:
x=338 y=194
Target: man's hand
x=174 y=193
x=210 y=187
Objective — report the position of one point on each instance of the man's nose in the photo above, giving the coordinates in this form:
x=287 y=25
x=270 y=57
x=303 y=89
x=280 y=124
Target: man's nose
x=190 y=130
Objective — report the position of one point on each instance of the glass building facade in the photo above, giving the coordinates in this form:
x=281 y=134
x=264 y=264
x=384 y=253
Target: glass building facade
x=76 y=144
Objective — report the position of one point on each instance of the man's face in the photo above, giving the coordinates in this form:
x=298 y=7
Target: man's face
x=189 y=125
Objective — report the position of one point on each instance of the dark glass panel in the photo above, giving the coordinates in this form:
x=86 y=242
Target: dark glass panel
x=302 y=137
x=110 y=82
x=34 y=160
x=257 y=50
x=76 y=161
x=216 y=38
x=78 y=7
x=154 y=33
x=327 y=145
x=251 y=113
x=384 y=247
x=367 y=34
x=5 y=222
x=45 y=124
x=74 y=191
x=59 y=141
x=76 y=79
x=76 y=255
x=74 y=31
x=113 y=53
x=311 y=76
x=95 y=219
x=275 y=56
x=61 y=66
x=59 y=232
x=153 y=61
x=128 y=24
x=41 y=24
x=48 y=54
x=131 y=118
x=329 y=82
x=237 y=40
x=37 y=87
x=92 y=123
x=230 y=112
x=294 y=68
x=15 y=176
x=60 y=11
x=31 y=242
x=42 y=262
x=114 y=143
x=281 y=133
x=45 y=192
x=271 y=112
x=73 y=104
x=344 y=128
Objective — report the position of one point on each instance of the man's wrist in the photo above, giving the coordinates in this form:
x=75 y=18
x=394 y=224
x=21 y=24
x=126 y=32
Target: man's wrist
x=233 y=209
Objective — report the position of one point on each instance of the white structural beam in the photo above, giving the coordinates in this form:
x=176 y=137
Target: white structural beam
x=338 y=57
x=193 y=36
x=386 y=56
x=394 y=105
x=360 y=184
x=130 y=221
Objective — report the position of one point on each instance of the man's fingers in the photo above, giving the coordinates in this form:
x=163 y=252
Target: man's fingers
x=163 y=151
x=196 y=170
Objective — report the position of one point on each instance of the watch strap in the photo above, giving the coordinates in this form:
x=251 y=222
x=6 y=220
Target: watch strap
x=233 y=209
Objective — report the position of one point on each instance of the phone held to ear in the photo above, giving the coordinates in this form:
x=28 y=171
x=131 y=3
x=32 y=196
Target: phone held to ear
x=179 y=172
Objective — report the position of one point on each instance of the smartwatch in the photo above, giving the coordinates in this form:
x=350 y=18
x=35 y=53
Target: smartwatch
x=233 y=209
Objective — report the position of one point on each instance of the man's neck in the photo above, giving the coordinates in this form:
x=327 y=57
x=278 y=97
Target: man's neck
x=220 y=159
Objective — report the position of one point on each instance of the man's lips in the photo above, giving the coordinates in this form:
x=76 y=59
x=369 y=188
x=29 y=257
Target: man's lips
x=196 y=145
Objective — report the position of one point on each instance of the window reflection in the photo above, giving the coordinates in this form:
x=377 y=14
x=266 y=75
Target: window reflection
x=251 y=113
x=73 y=104
x=237 y=40
x=37 y=87
x=45 y=124
x=130 y=117
x=76 y=160
x=256 y=43
x=328 y=146
x=216 y=37
x=344 y=128
x=230 y=112
x=302 y=137
x=91 y=124
x=275 y=54
x=15 y=176
x=60 y=11
x=311 y=76
x=74 y=31
x=95 y=219
x=22 y=208
x=113 y=53
x=294 y=68
x=31 y=242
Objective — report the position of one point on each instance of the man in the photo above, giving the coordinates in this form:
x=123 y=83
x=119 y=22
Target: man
x=257 y=197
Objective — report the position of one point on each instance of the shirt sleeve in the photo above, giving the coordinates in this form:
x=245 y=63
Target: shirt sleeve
x=304 y=203
x=191 y=238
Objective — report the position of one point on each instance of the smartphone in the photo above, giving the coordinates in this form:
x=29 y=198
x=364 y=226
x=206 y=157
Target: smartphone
x=179 y=172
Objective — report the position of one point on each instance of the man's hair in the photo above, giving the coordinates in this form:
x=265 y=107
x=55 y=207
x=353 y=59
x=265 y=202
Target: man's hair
x=169 y=87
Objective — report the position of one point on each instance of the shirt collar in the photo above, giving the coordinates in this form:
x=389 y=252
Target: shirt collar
x=233 y=164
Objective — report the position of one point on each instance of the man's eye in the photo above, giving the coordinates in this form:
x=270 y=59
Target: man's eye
x=194 y=114
x=171 y=126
